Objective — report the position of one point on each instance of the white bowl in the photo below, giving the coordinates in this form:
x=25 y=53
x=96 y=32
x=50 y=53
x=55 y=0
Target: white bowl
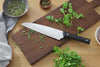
x=97 y=34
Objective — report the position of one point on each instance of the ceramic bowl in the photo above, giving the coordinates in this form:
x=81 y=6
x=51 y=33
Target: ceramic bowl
x=97 y=35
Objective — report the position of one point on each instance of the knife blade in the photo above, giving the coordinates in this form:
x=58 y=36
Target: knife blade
x=54 y=33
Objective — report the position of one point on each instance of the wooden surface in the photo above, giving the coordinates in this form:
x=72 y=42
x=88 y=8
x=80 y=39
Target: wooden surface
x=89 y=53
x=31 y=47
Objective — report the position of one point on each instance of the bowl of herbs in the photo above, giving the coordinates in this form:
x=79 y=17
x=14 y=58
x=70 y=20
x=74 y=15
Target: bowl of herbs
x=15 y=8
x=45 y=4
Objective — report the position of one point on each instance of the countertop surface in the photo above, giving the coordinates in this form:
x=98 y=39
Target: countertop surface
x=90 y=53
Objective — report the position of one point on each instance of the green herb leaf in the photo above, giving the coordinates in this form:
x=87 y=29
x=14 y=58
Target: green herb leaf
x=28 y=34
x=66 y=20
x=41 y=47
x=65 y=5
x=31 y=31
x=62 y=11
x=56 y=20
x=57 y=50
x=70 y=10
x=24 y=31
x=78 y=16
x=50 y=18
x=80 y=28
x=41 y=38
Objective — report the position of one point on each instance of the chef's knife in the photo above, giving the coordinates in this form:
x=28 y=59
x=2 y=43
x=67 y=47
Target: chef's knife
x=54 y=33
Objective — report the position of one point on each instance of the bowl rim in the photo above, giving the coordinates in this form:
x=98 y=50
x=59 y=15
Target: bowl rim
x=96 y=34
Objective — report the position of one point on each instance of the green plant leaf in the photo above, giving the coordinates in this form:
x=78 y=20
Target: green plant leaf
x=65 y=5
x=50 y=18
x=80 y=28
x=57 y=50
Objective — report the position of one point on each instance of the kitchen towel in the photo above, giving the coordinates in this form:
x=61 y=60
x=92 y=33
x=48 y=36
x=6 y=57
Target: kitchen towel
x=6 y=24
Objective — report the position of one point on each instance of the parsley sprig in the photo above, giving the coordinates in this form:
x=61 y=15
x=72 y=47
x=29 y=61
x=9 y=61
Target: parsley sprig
x=67 y=58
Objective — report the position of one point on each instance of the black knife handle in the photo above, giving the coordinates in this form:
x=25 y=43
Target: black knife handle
x=75 y=37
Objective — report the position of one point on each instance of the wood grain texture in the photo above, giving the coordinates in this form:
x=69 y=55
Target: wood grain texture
x=31 y=48
x=89 y=53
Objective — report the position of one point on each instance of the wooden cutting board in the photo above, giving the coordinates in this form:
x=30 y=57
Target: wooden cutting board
x=31 y=47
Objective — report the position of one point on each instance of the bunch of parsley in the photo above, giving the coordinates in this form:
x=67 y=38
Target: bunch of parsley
x=67 y=58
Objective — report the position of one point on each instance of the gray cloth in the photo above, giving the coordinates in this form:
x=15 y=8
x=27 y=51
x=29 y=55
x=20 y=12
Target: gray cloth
x=6 y=24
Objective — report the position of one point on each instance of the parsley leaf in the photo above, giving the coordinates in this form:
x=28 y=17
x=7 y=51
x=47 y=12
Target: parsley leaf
x=78 y=16
x=50 y=18
x=42 y=37
x=62 y=11
x=57 y=50
x=79 y=29
x=65 y=5
x=66 y=20
x=31 y=31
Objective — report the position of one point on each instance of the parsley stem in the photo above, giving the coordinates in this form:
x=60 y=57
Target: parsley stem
x=61 y=26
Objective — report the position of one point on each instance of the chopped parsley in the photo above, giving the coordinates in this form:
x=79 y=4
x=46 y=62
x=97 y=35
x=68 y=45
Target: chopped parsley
x=67 y=58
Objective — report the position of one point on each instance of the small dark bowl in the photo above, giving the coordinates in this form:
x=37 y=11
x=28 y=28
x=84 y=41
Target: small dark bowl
x=44 y=6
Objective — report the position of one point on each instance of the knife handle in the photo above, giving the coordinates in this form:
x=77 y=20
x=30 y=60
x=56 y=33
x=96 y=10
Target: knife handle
x=75 y=37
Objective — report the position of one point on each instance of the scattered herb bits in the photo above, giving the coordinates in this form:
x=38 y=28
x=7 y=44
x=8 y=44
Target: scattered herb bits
x=41 y=38
x=67 y=58
x=62 y=11
x=79 y=29
x=16 y=8
x=31 y=31
x=65 y=5
x=28 y=34
x=41 y=47
x=24 y=31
